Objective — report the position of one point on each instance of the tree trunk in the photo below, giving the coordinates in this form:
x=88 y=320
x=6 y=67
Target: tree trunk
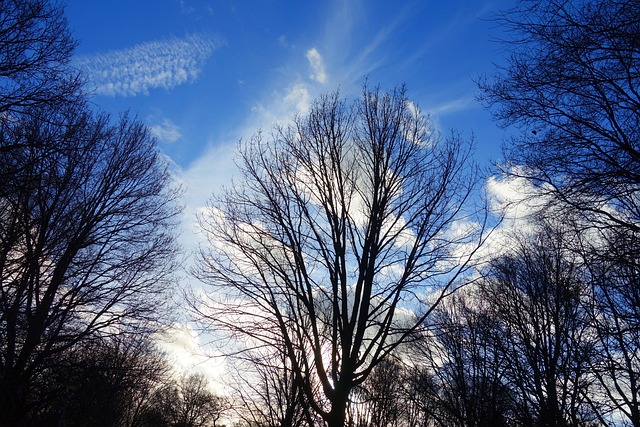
x=337 y=417
x=12 y=401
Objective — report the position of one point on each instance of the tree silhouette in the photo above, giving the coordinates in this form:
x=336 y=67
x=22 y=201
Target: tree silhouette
x=469 y=370
x=35 y=50
x=537 y=293
x=340 y=227
x=572 y=84
x=86 y=243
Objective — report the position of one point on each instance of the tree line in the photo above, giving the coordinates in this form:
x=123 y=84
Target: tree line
x=354 y=270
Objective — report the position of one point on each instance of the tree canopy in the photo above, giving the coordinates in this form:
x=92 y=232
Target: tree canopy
x=341 y=225
x=87 y=212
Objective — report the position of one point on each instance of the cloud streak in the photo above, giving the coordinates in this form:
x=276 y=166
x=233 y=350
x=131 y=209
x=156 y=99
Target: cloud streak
x=318 y=72
x=157 y=64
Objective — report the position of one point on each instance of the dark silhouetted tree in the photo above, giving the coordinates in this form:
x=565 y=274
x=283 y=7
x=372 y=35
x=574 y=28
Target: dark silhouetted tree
x=572 y=84
x=469 y=384
x=104 y=382
x=420 y=404
x=266 y=393
x=537 y=293
x=86 y=240
x=340 y=228
x=615 y=319
x=35 y=51
x=379 y=402
x=86 y=213
x=187 y=402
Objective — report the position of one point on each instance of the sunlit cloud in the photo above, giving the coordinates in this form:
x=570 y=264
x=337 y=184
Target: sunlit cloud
x=281 y=108
x=298 y=97
x=420 y=129
x=157 y=64
x=318 y=72
x=165 y=130
x=514 y=197
x=183 y=347
x=516 y=201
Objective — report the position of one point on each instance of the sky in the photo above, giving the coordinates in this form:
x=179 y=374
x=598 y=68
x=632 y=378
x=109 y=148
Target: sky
x=203 y=74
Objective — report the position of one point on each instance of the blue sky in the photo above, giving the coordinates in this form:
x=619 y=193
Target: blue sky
x=203 y=74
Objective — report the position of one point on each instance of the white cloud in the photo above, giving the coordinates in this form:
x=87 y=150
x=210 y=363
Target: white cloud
x=298 y=97
x=183 y=347
x=418 y=131
x=281 y=108
x=515 y=198
x=165 y=131
x=318 y=72
x=208 y=174
x=516 y=201
x=157 y=64
x=215 y=168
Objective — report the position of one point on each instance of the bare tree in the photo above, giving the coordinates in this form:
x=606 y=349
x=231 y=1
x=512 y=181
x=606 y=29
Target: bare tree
x=537 y=293
x=86 y=212
x=266 y=393
x=35 y=51
x=379 y=402
x=341 y=229
x=572 y=83
x=200 y=407
x=469 y=384
x=187 y=402
x=420 y=406
x=615 y=319
x=86 y=240
x=101 y=382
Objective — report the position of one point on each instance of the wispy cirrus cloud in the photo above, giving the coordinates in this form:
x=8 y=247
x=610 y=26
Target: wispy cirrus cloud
x=157 y=64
